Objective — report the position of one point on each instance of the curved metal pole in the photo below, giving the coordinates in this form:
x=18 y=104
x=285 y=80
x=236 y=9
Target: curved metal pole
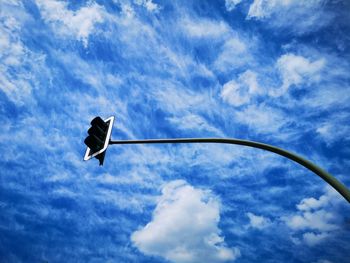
x=307 y=164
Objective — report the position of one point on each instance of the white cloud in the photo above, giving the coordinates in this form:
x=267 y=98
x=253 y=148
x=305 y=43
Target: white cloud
x=204 y=28
x=260 y=9
x=249 y=78
x=231 y=4
x=299 y=16
x=234 y=54
x=296 y=70
x=312 y=239
x=262 y=118
x=148 y=4
x=80 y=23
x=330 y=198
x=316 y=218
x=311 y=203
x=241 y=91
x=184 y=227
x=258 y=222
x=320 y=220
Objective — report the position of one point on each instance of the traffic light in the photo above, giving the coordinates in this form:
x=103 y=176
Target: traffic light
x=98 y=139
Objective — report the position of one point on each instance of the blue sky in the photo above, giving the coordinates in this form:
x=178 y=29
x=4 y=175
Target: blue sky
x=270 y=71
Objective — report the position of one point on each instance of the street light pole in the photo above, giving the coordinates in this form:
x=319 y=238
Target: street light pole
x=292 y=156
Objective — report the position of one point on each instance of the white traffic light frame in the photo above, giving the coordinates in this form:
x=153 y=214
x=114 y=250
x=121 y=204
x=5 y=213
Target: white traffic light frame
x=108 y=137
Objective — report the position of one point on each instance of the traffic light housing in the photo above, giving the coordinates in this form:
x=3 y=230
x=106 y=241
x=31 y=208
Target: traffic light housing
x=98 y=139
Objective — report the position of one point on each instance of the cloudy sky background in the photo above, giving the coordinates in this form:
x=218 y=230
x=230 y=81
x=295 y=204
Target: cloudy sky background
x=264 y=70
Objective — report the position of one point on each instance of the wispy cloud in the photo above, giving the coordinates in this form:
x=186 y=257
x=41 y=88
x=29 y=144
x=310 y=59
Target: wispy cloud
x=300 y=16
x=195 y=123
x=16 y=81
